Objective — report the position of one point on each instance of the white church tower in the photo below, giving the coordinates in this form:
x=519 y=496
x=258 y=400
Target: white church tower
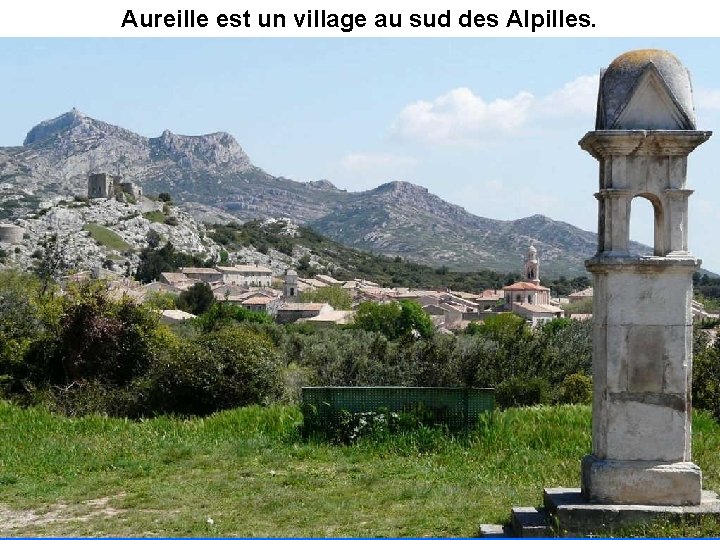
x=532 y=266
x=290 y=287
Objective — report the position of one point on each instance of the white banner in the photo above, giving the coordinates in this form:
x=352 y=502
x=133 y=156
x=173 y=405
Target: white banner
x=369 y=18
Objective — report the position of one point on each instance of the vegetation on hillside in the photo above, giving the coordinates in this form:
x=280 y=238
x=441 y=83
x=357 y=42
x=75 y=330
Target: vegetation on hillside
x=106 y=237
x=154 y=260
x=344 y=263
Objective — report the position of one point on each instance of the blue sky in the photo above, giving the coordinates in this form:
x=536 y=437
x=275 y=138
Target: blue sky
x=490 y=124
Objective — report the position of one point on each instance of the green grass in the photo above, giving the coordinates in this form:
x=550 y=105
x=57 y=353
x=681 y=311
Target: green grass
x=249 y=472
x=106 y=237
x=155 y=216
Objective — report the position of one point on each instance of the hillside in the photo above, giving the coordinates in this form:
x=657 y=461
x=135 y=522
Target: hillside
x=400 y=218
x=315 y=254
x=214 y=179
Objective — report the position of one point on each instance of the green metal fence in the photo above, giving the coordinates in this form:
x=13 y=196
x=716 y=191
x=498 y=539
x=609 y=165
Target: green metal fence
x=457 y=408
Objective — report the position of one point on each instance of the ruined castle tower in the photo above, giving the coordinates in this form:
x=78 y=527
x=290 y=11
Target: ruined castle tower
x=642 y=323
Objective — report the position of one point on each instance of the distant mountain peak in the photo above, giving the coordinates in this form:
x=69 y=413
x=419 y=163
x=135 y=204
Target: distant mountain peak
x=400 y=187
x=48 y=128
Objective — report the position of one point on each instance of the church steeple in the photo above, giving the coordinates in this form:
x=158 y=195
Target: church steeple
x=532 y=266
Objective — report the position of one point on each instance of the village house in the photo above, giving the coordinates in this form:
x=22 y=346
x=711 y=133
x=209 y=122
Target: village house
x=177 y=281
x=248 y=275
x=175 y=316
x=208 y=275
x=291 y=312
x=579 y=296
x=330 y=318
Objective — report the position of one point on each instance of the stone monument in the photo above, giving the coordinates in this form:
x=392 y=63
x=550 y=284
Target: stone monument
x=641 y=463
x=642 y=320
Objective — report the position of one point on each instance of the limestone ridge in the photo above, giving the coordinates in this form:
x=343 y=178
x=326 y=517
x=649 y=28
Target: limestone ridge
x=204 y=151
x=213 y=178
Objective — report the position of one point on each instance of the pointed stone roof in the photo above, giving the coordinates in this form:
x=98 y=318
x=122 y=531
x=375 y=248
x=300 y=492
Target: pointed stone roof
x=645 y=89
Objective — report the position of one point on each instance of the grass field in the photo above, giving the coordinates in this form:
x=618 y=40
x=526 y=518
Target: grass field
x=106 y=237
x=246 y=472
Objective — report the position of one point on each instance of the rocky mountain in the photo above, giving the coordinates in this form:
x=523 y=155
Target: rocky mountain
x=404 y=219
x=213 y=178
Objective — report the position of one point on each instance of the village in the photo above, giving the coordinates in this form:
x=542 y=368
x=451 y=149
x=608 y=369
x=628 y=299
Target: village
x=258 y=289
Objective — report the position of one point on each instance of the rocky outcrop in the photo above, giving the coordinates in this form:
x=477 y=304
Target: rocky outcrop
x=213 y=151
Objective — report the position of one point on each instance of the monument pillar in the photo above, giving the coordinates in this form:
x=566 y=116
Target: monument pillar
x=642 y=320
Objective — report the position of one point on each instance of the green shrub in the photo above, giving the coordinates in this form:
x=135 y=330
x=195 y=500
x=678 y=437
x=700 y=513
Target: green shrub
x=171 y=220
x=224 y=313
x=575 y=388
x=522 y=392
x=97 y=338
x=229 y=368
x=345 y=427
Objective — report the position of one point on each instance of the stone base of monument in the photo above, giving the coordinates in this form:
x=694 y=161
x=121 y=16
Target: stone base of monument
x=608 y=481
x=568 y=513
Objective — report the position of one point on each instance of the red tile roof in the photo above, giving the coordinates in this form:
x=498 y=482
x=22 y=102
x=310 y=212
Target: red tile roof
x=525 y=286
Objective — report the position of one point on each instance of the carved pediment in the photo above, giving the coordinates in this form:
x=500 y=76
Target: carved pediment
x=651 y=106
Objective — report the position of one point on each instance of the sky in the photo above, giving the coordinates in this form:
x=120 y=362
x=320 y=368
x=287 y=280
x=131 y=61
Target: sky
x=491 y=124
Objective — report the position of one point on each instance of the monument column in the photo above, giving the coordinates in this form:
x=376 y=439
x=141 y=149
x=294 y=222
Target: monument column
x=642 y=320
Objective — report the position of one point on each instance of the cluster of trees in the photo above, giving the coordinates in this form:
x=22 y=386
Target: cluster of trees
x=83 y=352
x=156 y=259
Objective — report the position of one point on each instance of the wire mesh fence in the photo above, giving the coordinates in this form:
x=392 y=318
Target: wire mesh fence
x=458 y=408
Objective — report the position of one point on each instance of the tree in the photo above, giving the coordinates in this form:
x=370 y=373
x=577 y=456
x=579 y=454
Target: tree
x=303 y=266
x=153 y=239
x=336 y=296
x=51 y=261
x=197 y=299
x=375 y=317
x=154 y=261
x=395 y=319
x=413 y=320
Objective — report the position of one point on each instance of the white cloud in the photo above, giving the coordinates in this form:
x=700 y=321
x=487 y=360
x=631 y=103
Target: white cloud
x=707 y=98
x=577 y=97
x=461 y=117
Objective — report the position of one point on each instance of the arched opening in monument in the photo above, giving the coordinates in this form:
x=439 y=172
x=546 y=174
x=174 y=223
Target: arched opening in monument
x=645 y=222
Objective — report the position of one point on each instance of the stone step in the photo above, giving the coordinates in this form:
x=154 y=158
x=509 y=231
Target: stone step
x=529 y=522
x=491 y=530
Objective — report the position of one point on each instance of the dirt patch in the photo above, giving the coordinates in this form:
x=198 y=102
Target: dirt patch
x=11 y=520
